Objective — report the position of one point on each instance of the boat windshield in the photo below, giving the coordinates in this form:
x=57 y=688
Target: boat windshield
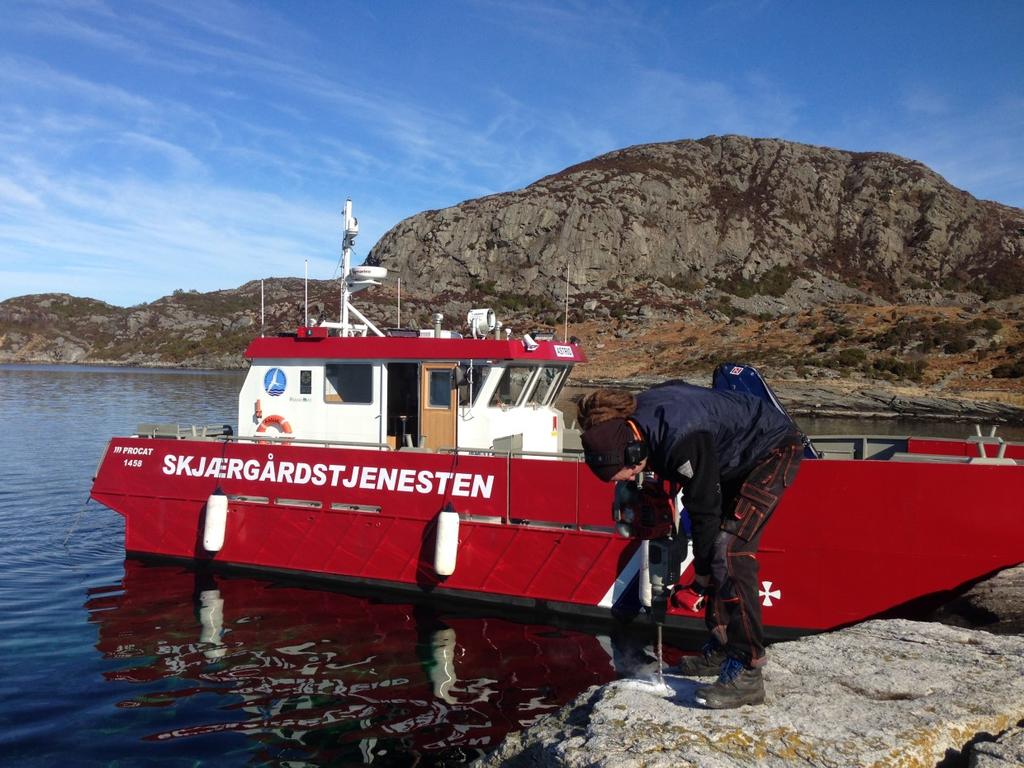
x=511 y=385
x=549 y=382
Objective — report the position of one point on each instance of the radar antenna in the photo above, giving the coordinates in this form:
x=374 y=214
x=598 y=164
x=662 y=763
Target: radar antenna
x=353 y=280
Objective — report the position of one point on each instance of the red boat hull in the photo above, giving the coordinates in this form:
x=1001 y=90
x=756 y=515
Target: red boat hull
x=851 y=539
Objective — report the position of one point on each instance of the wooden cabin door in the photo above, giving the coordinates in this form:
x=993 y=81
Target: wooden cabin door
x=437 y=406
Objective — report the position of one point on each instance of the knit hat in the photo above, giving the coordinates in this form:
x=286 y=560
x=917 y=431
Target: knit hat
x=604 y=447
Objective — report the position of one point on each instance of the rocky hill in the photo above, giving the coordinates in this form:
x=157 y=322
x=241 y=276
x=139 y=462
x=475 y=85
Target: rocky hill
x=818 y=265
x=742 y=215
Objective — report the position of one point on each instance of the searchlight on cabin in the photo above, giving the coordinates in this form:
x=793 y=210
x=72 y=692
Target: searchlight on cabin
x=481 y=322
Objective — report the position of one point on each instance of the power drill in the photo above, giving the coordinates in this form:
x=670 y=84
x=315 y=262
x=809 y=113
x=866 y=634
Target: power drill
x=643 y=509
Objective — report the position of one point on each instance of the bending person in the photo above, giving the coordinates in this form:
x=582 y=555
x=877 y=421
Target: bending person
x=734 y=455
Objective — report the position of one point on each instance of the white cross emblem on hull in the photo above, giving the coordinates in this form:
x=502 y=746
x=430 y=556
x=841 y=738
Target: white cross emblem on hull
x=769 y=594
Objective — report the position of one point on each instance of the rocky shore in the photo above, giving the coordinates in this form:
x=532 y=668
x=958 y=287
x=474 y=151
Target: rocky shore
x=995 y=605
x=877 y=402
x=882 y=693
x=853 y=399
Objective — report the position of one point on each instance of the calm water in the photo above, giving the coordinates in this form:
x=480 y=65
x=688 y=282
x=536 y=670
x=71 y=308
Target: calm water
x=111 y=662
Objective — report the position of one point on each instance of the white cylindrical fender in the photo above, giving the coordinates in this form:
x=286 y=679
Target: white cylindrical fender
x=211 y=622
x=446 y=549
x=442 y=672
x=211 y=615
x=216 y=522
x=644 y=582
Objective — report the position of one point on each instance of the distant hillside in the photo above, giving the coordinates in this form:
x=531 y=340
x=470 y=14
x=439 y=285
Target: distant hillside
x=187 y=328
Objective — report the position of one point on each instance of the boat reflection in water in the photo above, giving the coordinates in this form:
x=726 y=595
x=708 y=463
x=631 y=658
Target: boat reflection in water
x=328 y=677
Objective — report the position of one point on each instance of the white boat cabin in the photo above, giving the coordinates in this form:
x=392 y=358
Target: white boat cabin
x=407 y=390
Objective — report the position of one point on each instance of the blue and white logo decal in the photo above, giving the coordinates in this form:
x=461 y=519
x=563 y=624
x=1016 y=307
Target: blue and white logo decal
x=274 y=382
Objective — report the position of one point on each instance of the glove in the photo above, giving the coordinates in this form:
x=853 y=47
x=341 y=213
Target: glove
x=690 y=598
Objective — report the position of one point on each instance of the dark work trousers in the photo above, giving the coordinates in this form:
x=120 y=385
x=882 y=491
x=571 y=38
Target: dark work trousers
x=733 y=615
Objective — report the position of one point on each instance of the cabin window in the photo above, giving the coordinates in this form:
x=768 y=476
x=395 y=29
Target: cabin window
x=348 y=383
x=511 y=385
x=440 y=389
x=549 y=381
x=305 y=382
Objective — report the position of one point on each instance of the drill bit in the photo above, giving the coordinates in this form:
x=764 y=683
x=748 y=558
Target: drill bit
x=661 y=673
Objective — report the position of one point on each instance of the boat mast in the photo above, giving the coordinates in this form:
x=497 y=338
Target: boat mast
x=353 y=280
x=347 y=243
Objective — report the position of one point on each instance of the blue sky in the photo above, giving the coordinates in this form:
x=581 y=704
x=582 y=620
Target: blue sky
x=150 y=146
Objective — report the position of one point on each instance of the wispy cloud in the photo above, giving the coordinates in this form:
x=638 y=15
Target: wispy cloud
x=422 y=142
x=667 y=105
x=182 y=160
x=148 y=146
x=981 y=150
x=22 y=72
x=15 y=194
x=204 y=236
x=926 y=101
x=54 y=23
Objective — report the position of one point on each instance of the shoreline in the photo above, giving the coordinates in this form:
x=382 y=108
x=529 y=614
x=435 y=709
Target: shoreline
x=846 y=398
x=835 y=398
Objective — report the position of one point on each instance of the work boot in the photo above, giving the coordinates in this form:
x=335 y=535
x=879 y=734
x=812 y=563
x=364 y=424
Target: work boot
x=708 y=662
x=736 y=685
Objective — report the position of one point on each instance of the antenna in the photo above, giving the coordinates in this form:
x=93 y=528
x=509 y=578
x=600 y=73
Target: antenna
x=399 y=303
x=354 y=279
x=305 y=288
x=262 y=311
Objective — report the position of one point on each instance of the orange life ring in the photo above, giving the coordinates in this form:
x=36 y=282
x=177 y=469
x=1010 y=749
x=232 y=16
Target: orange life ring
x=273 y=420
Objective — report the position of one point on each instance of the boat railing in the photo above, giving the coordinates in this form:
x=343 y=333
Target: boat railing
x=311 y=442
x=216 y=432
x=857 y=447
x=513 y=454
x=929 y=458
x=983 y=440
x=891 y=448
x=178 y=432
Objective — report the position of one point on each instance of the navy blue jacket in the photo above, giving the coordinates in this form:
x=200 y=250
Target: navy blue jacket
x=698 y=437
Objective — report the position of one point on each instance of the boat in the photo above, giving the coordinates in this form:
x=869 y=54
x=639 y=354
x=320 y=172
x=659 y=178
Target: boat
x=436 y=462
